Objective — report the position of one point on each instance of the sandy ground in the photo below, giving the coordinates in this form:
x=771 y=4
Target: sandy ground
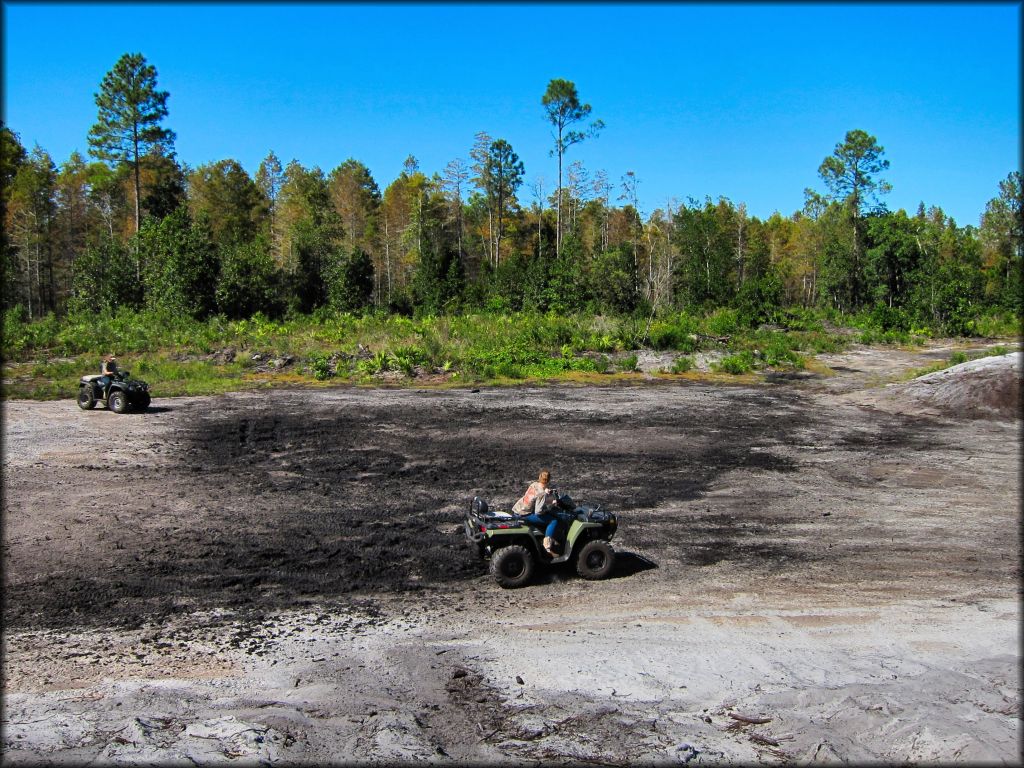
x=254 y=579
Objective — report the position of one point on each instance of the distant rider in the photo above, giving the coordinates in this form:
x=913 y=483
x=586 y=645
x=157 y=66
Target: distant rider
x=538 y=505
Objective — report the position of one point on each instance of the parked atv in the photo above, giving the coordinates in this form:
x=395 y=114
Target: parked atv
x=121 y=395
x=515 y=547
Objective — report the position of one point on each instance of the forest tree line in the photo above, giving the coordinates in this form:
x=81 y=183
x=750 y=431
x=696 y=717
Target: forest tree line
x=132 y=227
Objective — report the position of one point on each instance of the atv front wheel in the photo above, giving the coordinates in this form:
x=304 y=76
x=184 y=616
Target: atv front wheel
x=512 y=566
x=117 y=402
x=85 y=399
x=142 y=402
x=596 y=560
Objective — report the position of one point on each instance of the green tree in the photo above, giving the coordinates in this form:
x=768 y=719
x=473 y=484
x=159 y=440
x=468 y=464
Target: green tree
x=558 y=284
x=249 y=280
x=350 y=281
x=310 y=235
x=164 y=182
x=12 y=157
x=503 y=174
x=1003 y=243
x=613 y=282
x=269 y=178
x=703 y=235
x=75 y=218
x=894 y=255
x=103 y=278
x=809 y=246
x=456 y=174
x=840 y=280
x=947 y=289
x=630 y=193
x=759 y=298
x=396 y=220
x=108 y=200
x=29 y=221
x=563 y=109
x=356 y=199
x=438 y=277
x=128 y=125
x=960 y=286
x=230 y=199
x=850 y=172
x=412 y=214
x=851 y=175
x=480 y=211
x=179 y=264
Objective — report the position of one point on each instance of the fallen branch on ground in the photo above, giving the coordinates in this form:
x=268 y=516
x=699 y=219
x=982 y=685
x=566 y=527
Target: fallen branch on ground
x=751 y=720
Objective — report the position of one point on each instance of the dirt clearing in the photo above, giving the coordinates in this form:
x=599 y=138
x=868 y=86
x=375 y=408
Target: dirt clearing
x=804 y=574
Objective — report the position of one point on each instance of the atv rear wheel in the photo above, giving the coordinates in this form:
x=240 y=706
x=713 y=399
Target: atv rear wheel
x=595 y=560
x=117 y=402
x=512 y=566
x=85 y=399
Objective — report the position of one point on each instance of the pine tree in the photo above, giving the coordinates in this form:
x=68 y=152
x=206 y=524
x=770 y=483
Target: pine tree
x=562 y=107
x=128 y=125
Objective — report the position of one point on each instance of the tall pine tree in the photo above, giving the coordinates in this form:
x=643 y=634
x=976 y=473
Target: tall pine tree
x=128 y=125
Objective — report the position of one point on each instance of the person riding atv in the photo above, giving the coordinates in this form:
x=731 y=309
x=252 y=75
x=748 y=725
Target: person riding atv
x=539 y=506
x=114 y=388
x=108 y=371
x=513 y=545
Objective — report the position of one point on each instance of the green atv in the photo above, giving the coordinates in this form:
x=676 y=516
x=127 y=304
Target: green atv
x=121 y=394
x=515 y=546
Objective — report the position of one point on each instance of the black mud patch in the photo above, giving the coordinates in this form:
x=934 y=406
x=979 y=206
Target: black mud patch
x=893 y=433
x=303 y=501
x=756 y=540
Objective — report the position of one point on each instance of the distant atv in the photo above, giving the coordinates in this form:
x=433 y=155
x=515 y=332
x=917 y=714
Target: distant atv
x=122 y=395
x=515 y=547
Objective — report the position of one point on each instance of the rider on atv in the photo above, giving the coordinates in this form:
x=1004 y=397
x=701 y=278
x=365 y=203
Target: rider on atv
x=113 y=388
x=108 y=372
x=539 y=505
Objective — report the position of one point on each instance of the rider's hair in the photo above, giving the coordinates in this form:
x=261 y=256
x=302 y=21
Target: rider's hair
x=544 y=477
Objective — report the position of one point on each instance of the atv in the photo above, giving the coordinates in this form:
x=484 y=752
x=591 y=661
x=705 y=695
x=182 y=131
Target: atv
x=515 y=546
x=121 y=395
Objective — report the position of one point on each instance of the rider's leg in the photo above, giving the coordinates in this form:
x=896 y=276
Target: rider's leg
x=550 y=523
x=549 y=535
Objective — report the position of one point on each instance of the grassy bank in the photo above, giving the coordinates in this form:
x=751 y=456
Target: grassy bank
x=181 y=356
x=956 y=358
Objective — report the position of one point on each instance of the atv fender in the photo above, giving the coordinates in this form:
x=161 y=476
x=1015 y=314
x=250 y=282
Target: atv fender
x=579 y=531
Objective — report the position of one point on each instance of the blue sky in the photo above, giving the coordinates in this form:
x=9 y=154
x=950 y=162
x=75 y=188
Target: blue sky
x=740 y=100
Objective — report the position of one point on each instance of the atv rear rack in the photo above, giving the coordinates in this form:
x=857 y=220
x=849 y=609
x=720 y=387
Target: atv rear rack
x=477 y=523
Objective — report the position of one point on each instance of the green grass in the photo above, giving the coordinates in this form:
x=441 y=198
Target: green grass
x=178 y=355
x=167 y=377
x=738 y=364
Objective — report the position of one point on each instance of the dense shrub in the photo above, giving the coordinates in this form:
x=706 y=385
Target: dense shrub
x=739 y=363
x=682 y=364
